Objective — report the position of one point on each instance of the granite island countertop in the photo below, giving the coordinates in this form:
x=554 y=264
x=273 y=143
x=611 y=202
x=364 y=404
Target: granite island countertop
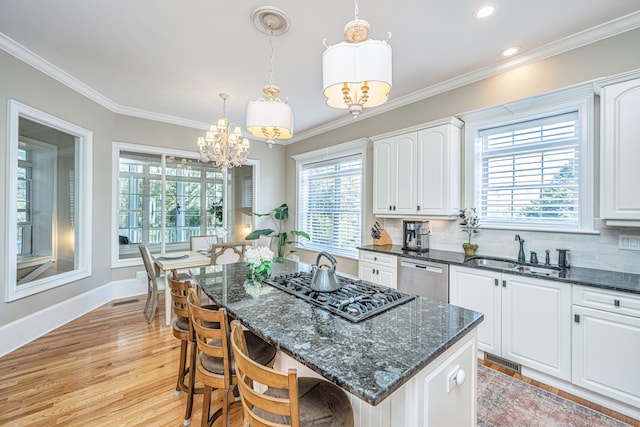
x=370 y=359
x=612 y=280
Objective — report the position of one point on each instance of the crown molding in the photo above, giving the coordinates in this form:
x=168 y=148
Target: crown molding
x=592 y=35
x=159 y=117
x=25 y=55
x=582 y=38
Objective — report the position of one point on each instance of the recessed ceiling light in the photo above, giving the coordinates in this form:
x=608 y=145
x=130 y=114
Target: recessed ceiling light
x=510 y=51
x=484 y=11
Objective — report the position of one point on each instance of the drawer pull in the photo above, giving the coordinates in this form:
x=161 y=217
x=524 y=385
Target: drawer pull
x=576 y=318
x=616 y=302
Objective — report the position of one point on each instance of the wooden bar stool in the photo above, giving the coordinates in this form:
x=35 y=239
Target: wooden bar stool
x=288 y=400
x=215 y=367
x=183 y=330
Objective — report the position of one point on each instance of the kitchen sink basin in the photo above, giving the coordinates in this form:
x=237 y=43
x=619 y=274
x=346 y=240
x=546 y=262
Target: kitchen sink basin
x=508 y=265
x=539 y=271
x=492 y=262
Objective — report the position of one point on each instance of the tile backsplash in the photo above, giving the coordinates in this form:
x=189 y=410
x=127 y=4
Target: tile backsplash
x=598 y=251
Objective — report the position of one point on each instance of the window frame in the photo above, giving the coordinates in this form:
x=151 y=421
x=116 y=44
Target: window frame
x=83 y=188
x=356 y=147
x=580 y=98
x=164 y=153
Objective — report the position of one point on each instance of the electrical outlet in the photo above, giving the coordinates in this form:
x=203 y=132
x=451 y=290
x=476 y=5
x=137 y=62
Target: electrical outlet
x=631 y=243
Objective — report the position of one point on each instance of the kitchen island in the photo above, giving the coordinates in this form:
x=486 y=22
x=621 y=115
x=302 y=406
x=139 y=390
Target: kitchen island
x=405 y=366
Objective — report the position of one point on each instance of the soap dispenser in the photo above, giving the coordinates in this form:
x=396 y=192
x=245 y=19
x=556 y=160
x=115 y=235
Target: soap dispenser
x=563 y=258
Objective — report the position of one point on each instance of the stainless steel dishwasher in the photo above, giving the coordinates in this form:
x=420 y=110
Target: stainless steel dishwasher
x=424 y=278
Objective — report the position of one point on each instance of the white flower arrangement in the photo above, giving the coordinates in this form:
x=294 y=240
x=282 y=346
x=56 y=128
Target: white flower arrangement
x=258 y=256
x=256 y=289
x=470 y=221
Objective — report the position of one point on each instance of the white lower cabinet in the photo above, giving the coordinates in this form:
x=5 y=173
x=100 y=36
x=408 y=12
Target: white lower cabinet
x=606 y=343
x=377 y=268
x=526 y=320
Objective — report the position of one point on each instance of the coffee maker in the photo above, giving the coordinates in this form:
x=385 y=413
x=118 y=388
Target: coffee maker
x=415 y=235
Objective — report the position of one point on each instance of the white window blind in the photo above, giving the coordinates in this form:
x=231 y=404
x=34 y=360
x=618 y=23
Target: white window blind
x=529 y=173
x=330 y=204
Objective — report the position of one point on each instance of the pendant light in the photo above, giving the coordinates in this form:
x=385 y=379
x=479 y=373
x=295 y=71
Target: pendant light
x=270 y=117
x=356 y=73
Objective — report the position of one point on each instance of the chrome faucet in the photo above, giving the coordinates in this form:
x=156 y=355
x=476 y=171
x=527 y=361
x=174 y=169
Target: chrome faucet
x=521 y=257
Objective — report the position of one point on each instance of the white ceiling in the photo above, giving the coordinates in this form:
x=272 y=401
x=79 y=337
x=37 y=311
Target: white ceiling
x=169 y=59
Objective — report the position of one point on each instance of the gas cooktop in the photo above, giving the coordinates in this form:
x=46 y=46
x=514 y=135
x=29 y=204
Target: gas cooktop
x=355 y=300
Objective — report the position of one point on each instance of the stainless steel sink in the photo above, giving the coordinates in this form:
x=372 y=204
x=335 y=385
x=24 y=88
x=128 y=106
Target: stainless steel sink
x=508 y=265
x=539 y=271
x=492 y=262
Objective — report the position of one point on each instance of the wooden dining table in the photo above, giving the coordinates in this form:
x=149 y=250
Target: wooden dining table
x=179 y=260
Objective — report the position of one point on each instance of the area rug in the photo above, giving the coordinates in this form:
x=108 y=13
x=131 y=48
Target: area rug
x=505 y=401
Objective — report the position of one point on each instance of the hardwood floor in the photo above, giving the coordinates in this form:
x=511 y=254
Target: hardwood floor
x=109 y=368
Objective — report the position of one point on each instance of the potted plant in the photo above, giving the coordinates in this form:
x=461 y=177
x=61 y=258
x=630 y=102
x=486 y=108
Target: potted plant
x=278 y=215
x=470 y=222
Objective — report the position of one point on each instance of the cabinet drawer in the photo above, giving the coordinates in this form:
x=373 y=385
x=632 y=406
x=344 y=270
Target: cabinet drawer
x=612 y=301
x=381 y=260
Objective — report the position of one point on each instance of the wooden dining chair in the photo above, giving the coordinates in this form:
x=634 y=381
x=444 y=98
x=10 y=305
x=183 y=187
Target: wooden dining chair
x=214 y=365
x=227 y=253
x=155 y=282
x=289 y=400
x=200 y=243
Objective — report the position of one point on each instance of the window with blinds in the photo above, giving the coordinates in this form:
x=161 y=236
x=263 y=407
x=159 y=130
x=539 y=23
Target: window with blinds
x=330 y=204
x=529 y=173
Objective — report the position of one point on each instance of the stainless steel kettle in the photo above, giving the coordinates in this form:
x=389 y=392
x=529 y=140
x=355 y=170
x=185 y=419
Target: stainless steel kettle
x=324 y=277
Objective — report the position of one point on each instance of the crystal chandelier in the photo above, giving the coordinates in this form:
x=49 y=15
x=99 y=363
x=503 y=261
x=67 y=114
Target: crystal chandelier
x=270 y=118
x=356 y=73
x=221 y=146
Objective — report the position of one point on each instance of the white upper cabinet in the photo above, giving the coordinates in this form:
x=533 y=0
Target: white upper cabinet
x=394 y=170
x=620 y=151
x=416 y=172
x=439 y=171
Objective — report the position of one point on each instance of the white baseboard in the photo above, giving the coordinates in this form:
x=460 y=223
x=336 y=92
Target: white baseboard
x=22 y=331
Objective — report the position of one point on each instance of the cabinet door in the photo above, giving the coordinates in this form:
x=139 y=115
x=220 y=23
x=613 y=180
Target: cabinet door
x=605 y=354
x=384 y=176
x=405 y=169
x=367 y=272
x=621 y=151
x=438 y=186
x=479 y=290
x=387 y=277
x=536 y=324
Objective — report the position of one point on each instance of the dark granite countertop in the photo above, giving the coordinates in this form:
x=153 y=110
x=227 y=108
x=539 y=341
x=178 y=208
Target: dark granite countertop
x=370 y=359
x=612 y=280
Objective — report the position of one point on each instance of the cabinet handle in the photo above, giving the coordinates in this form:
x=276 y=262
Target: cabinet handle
x=378 y=272
x=390 y=208
x=496 y=281
x=576 y=318
x=375 y=258
x=418 y=207
x=616 y=302
x=394 y=207
x=504 y=283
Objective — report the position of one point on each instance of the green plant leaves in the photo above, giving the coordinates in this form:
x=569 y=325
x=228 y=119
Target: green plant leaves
x=255 y=234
